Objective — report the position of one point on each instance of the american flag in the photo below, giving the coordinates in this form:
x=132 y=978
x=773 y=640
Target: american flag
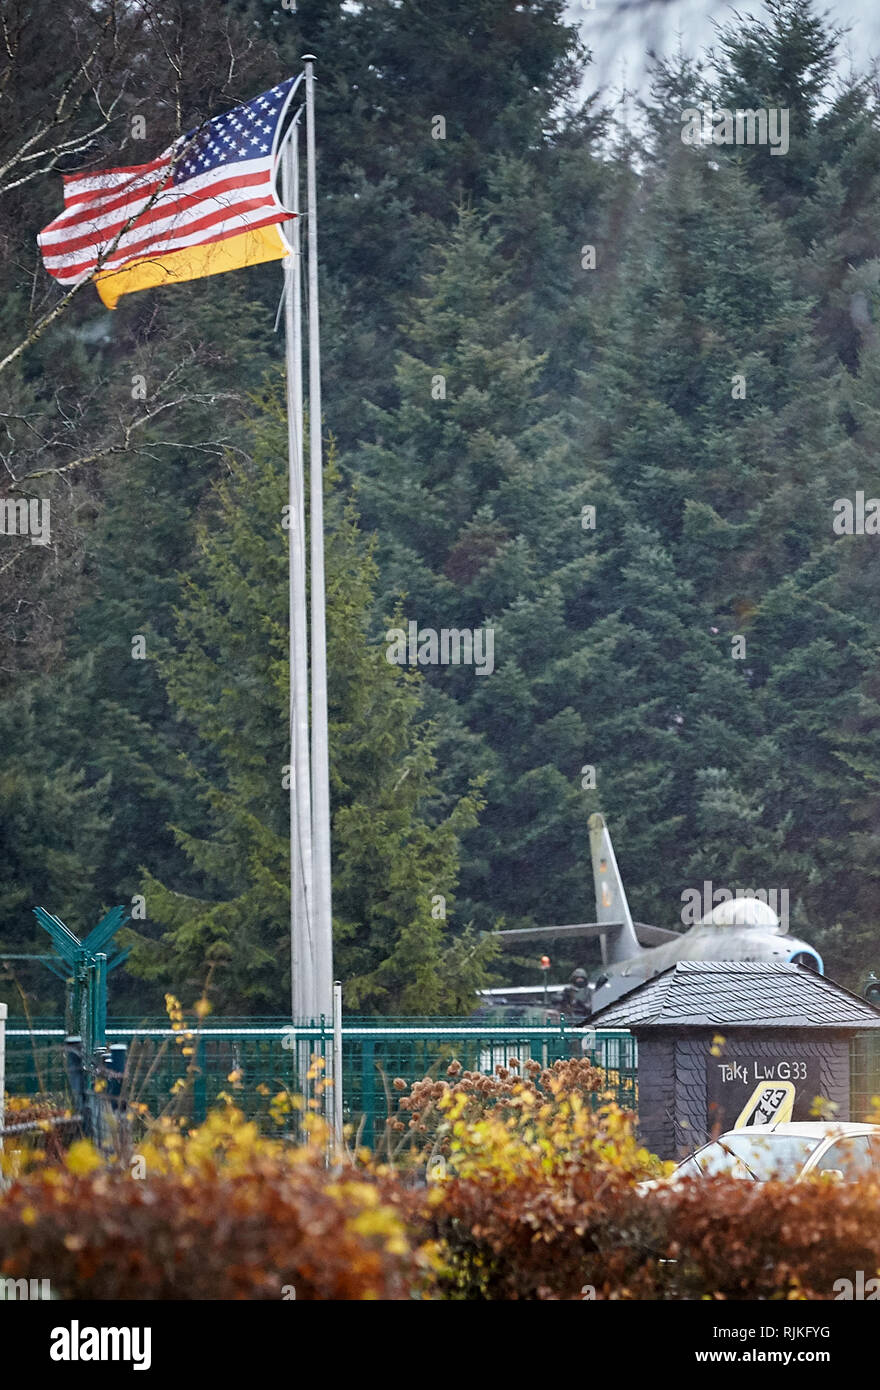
x=213 y=183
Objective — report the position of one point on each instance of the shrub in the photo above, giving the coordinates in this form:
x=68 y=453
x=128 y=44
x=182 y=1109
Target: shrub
x=536 y=1193
x=730 y=1239
x=44 y=1140
x=423 y=1119
x=539 y=1199
x=220 y=1214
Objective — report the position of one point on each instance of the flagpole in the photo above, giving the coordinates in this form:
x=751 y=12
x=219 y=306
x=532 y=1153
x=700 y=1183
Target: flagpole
x=301 y=925
x=323 y=912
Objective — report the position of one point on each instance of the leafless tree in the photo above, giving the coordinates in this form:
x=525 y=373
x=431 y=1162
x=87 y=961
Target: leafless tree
x=85 y=85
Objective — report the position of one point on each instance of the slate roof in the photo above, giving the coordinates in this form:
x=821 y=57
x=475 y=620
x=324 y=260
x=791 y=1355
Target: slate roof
x=753 y=994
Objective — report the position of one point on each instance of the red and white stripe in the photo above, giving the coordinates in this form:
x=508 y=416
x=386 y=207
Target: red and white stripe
x=116 y=216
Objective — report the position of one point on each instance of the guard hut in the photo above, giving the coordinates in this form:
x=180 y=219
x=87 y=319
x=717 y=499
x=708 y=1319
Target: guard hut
x=728 y=1043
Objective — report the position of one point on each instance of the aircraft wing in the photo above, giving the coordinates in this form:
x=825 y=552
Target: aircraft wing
x=521 y=992
x=585 y=931
x=577 y=930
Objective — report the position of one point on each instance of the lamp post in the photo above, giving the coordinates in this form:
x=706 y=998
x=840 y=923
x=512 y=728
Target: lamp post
x=545 y=966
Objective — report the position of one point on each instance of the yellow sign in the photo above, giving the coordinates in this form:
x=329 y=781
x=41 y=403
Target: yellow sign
x=768 y=1105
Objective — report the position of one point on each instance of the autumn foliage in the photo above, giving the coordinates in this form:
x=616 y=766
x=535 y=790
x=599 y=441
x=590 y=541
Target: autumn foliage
x=221 y=1213
x=518 y=1186
x=535 y=1185
x=428 y=1108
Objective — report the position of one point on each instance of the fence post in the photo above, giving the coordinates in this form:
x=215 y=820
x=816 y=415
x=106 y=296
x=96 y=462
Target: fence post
x=368 y=1089
x=336 y=1094
x=117 y=1105
x=76 y=1079
x=3 y=1010
x=200 y=1084
x=100 y=1099
x=99 y=1004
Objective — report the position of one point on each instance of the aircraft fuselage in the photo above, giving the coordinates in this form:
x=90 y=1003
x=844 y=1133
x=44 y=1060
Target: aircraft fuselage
x=703 y=942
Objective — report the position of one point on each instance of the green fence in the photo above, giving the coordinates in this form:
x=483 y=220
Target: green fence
x=35 y=1061
x=864 y=1074
x=260 y=1054
x=253 y=1060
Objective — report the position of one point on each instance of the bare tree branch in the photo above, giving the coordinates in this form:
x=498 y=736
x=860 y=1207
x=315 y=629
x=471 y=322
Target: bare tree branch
x=104 y=256
x=124 y=445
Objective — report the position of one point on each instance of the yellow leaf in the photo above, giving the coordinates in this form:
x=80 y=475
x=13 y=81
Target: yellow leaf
x=82 y=1158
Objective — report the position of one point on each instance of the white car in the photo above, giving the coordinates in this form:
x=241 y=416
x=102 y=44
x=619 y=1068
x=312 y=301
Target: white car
x=793 y=1152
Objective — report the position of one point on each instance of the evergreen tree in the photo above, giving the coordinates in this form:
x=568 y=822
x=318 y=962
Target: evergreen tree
x=52 y=823
x=826 y=188
x=395 y=863
x=408 y=132
x=710 y=388
x=720 y=415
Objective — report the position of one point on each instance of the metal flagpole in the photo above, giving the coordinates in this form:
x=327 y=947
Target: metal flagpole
x=301 y=911
x=322 y=915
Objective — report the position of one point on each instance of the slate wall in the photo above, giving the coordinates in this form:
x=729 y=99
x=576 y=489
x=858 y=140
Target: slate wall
x=674 y=1114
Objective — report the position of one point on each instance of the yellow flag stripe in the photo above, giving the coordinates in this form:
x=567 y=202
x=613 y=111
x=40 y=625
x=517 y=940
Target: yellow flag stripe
x=193 y=262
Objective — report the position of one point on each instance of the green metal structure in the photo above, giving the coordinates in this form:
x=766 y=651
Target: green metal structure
x=88 y=966
x=254 y=1059
x=84 y=965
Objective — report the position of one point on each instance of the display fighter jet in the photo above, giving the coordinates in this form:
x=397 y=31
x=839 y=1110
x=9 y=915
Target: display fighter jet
x=743 y=928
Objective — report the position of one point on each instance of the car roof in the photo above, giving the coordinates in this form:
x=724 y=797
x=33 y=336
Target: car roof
x=808 y=1129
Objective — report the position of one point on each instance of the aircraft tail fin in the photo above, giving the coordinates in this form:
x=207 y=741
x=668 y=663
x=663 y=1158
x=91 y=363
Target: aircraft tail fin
x=611 y=903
